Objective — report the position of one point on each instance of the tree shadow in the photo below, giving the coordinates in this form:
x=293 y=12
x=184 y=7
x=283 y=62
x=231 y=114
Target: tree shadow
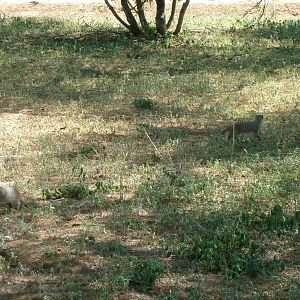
x=56 y=79
x=277 y=30
x=28 y=31
x=279 y=137
x=72 y=270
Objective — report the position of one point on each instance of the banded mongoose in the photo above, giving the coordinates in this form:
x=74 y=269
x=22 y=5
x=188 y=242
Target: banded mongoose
x=244 y=127
x=10 y=196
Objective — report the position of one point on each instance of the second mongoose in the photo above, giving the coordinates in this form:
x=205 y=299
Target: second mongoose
x=10 y=196
x=244 y=127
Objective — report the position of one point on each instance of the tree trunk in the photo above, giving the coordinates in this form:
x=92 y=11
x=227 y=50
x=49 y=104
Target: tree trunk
x=172 y=14
x=141 y=14
x=160 y=18
x=181 y=16
x=134 y=28
x=137 y=27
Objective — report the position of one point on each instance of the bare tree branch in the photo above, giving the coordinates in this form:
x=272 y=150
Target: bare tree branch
x=141 y=14
x=261 y=6
x=257 y=4
x=181 y=16
x=116 y=15
x=172 y=14
x=134 y=28
x=132 y=7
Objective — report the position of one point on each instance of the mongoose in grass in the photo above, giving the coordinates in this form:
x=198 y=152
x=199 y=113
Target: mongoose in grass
x=244 y=127
x=10 y=196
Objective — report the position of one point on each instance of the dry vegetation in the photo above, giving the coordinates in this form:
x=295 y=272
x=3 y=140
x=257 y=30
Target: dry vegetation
x=115 y=143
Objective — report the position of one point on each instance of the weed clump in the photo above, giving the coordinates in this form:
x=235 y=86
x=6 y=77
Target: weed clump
x=231 y=243
x=146 y=273
x=75 y=191
x=144 y=103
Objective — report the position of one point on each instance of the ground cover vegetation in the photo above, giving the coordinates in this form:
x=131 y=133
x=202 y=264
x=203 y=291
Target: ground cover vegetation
x=116 y=144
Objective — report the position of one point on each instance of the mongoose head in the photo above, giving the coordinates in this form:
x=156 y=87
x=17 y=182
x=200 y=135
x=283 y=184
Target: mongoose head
x=259 y=118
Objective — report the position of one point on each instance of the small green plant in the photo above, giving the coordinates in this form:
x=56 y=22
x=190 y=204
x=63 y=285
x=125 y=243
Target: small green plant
x=52 y=262
x=173 y=186
x=105 y=187
x=144 y=103
x=87 y=151
x=2 y=263
x=227 y=246
x=146 y=273
x=280 y=30
x=133 y=223
x=278 y=220
x=116 y=247
x=72 y=290
x=75 y=191
x=294 y=291
x=7 y=259
x=255 y=262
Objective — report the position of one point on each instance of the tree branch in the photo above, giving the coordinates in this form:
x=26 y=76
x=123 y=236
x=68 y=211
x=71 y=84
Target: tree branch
x=116 y=15
x=181 y=16
x=172 y=14
x=141 y=14
x=132 y=7
x=134 y=28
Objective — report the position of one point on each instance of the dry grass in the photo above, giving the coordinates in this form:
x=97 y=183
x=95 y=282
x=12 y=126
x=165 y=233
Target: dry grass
x=67 y=117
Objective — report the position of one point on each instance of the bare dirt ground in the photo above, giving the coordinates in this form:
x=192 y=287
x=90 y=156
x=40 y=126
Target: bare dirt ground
x=94 y=11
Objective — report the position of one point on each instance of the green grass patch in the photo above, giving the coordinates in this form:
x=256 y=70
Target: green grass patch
x=142 y=198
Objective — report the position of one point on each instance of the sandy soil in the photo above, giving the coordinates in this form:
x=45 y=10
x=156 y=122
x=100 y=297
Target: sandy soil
x=92 y=11
x=102 y=1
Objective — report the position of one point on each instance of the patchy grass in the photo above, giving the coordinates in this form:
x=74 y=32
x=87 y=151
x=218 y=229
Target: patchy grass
x=116 y=145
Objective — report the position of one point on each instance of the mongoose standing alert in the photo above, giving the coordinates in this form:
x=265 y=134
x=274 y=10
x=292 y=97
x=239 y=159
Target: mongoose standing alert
x=244 y=127
x=10 y=196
